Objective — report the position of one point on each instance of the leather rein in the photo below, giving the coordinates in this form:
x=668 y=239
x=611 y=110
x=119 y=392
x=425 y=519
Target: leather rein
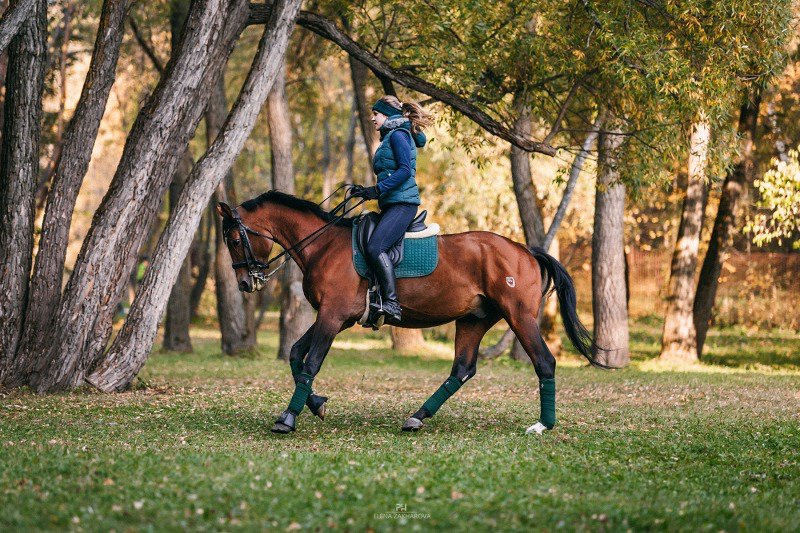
x=256 y=268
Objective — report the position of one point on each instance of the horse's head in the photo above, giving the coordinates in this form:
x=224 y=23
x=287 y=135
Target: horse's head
x=249 y=248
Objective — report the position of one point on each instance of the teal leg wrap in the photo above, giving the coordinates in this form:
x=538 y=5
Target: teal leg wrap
x=301 y=391
x=547 y=396
x=296 y=366
x=441 y=395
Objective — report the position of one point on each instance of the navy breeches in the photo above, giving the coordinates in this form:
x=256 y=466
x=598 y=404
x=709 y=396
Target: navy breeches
x=394 y=222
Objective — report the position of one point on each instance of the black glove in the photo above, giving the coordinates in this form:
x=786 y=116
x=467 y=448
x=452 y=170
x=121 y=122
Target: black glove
x=367 y=193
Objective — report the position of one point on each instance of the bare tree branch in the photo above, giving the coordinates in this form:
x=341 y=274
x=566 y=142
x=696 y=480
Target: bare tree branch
x=146 y=48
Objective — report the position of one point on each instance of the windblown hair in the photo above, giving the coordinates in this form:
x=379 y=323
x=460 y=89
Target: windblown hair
x=293 y=202
x=419 y=118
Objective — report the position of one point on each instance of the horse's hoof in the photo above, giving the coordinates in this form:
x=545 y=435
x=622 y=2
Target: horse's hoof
x=412 y=424
x=285 y=423
x=281 y=428
x=316 y=404
x=537 y=428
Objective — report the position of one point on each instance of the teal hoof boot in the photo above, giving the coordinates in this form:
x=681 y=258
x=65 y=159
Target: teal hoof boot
x=413 y=424
x=285 y=423
x=316 y=404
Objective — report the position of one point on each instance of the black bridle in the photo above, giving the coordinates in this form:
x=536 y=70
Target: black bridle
x=255 y=267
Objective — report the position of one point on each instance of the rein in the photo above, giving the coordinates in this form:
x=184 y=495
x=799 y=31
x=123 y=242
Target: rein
x=256 y=268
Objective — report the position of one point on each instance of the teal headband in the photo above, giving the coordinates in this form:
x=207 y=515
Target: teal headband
x=388 y=110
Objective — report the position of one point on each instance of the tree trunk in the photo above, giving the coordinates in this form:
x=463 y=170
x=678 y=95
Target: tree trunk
x=232 y=308
x=679 y=340
x=156 y=143
x=350 y=146
x=325 y=164
x=130 y=349
x=18 y=13
x=358 y=73
x=405 y=340
x=726 y=221
x=202 y=260
x=530 y=212
x=608 y=257
x=19 y=171
x=178 y=317
x=179 y=314
x=296 y=313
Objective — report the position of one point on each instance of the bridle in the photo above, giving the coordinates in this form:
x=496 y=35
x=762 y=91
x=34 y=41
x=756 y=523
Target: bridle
x=256 y=268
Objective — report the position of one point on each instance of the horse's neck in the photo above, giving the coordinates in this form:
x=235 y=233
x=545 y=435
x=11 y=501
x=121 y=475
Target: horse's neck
x=290 y=226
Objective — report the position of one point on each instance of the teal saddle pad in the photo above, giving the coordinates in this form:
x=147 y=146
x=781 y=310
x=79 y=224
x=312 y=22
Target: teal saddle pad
x=420 y=257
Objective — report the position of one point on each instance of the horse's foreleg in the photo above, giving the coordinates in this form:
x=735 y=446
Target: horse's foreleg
x=324 y=331
x=469 y=332
x=297 y=355
x=527 y=331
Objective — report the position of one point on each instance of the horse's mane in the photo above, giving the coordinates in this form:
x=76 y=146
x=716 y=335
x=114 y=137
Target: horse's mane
x=293 y=202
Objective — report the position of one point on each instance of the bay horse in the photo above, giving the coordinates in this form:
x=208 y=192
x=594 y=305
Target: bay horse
x=481 y=277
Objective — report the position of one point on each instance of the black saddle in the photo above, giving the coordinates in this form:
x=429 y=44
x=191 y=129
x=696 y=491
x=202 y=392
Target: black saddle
x=366 y=226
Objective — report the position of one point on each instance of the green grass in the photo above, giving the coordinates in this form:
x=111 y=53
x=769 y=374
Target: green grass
x=711 y=447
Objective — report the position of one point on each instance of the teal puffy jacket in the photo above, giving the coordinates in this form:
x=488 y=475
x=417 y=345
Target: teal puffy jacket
x=383 y=164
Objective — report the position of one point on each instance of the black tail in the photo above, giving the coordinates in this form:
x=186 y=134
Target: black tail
x=556 y=278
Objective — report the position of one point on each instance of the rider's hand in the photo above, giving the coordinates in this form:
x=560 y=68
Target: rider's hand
x=367 y=193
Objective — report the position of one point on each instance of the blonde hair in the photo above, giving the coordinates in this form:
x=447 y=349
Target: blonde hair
x=419 y=118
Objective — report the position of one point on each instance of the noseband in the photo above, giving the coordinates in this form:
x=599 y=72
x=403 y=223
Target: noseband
x=256 y=268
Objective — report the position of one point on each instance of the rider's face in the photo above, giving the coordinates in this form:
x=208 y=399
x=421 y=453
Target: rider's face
x=378 y=119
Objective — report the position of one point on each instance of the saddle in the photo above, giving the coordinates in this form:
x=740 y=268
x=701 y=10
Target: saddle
x=418 y=247
x=366 y=224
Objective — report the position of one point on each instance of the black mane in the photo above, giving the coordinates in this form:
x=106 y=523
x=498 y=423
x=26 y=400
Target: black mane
x=293 y=202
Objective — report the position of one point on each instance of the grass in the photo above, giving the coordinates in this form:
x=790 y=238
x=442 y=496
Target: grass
x=711 y=447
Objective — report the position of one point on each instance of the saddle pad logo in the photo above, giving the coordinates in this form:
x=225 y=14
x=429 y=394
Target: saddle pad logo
x=510 y=281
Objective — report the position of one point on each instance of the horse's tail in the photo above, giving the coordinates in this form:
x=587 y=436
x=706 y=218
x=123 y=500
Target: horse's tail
x=556 y=278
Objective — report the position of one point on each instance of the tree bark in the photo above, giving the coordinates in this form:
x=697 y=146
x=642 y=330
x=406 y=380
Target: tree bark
x=157 y=141
x=202 y=260
x=296 y=313
x=358 y=73
x=19 y=171
x=530 y=211
x=727 y=220
x=679 y=339
x=130 y=349
x=13 y=19
x=179 y=314
x=350 y=145
x=232 y=305
x=405 y=340
x=178 y=317
x=608 y=257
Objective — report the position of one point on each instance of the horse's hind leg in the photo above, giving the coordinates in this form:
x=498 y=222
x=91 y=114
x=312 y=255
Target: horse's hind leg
x=527 y=331
x=469 y=332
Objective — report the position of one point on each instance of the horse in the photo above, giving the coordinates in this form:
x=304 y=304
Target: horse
x=481 y=278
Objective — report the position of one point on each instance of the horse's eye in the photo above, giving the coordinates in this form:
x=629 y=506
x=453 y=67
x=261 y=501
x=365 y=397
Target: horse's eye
x=235 y=242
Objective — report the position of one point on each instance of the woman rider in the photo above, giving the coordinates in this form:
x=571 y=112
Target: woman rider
x=395 y=164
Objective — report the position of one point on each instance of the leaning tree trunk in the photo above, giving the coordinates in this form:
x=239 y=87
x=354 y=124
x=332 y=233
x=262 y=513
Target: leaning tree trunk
x=237 y=335
x=71 y=166
x=679 y=340
x=18 y=13
x=296 y=313
x=158 y=139
x=130 y=349
x=726 y=221
x=609 y=304
x=19 y=171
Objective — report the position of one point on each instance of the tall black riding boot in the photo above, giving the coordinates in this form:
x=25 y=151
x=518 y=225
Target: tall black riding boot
x=384 y=271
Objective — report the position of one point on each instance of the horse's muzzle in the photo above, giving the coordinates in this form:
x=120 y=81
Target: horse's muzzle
x=245 y=286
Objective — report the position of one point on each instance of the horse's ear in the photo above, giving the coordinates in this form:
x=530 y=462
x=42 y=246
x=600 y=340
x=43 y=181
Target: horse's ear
x=224 y=210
